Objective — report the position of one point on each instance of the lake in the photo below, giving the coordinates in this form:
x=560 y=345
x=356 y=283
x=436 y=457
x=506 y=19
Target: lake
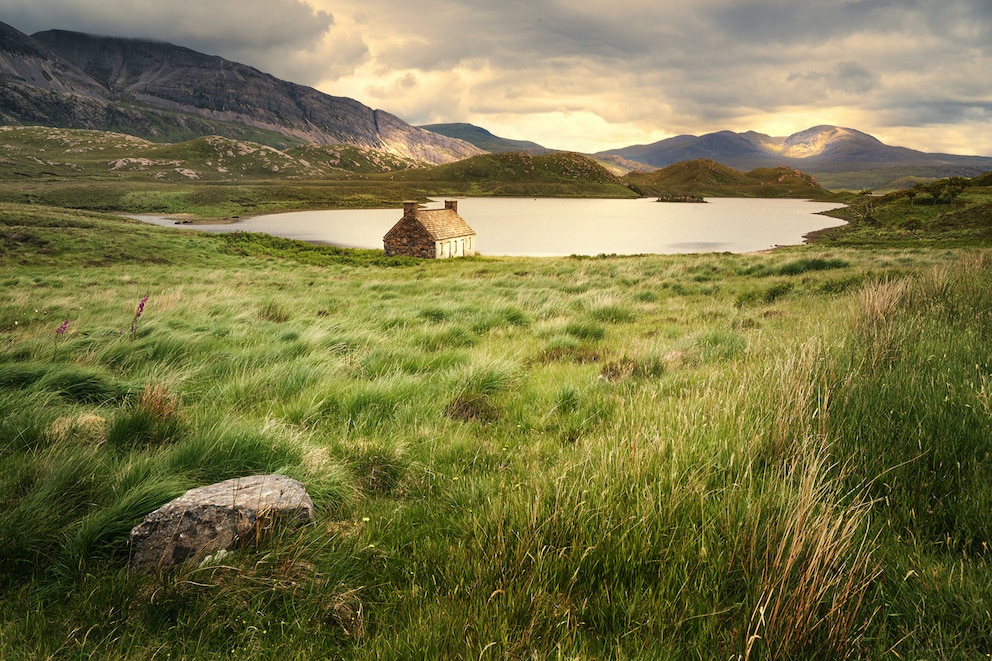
x=557 y=226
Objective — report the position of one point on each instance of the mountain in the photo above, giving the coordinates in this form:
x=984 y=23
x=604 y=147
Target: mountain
x=167 y=93
x=706 y=178
x=836 y=156
x=485 y=140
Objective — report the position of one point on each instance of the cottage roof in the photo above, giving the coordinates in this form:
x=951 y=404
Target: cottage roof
x=443 y=224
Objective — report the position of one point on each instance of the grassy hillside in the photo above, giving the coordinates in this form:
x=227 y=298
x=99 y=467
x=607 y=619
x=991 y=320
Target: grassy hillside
x=774 y=456
x=348 y=159
x=218 y=178
x=31 y=153
x=561 y=174
x=707 y=178
x=954 y=212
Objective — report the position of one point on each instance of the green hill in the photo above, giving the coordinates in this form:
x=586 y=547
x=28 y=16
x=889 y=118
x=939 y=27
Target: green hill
x=520 y=174
x=707 y=178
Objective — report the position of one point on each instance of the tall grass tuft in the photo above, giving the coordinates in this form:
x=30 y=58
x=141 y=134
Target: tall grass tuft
x=612 y=313
x=585 y=330
x=376 y=405
x=814 y=552
x=909 y=406
x=58 y=488
x=873 y=321
x=378 y=466
x=25 y=419
x=226 y=449
x=102 y=535
x=475 y=388
x=74 y=383
x=153 y=419
x=273 y=311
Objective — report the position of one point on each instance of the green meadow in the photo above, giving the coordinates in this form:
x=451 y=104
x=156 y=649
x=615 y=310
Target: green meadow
x=782 y=455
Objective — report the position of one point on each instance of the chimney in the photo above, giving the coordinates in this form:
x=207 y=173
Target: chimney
x=451 y=204
x=410 y=208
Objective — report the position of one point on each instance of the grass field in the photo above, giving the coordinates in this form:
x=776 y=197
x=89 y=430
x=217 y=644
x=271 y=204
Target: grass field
x=767 y=456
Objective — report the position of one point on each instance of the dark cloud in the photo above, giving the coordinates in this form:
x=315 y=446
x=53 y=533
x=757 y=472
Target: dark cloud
x=845 y=77
x=649 y=67
x=939 y=113
x=263 y=33
x=217 y=24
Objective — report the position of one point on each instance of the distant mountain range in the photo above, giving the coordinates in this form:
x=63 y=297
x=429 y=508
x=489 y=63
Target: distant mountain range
x=166 y=93
x=821 y=148
x=837 y=157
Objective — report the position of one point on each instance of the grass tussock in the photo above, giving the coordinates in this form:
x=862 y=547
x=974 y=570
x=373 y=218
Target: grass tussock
x=817 y=570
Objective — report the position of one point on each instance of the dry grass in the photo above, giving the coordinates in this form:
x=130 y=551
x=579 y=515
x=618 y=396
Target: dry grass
x=818 y=569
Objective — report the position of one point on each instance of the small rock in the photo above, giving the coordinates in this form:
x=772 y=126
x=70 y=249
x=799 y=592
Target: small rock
x=218 y=517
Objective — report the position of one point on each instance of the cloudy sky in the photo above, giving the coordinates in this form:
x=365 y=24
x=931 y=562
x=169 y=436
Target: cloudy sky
x=590 y=75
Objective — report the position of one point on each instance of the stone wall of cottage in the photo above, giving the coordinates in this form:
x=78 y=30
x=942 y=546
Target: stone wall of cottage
x=410 y=238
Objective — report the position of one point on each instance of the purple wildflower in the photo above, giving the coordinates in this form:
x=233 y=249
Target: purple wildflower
x=137 y=315
x=59 y=334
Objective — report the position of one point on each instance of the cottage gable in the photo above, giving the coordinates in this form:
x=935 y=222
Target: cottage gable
x=430 y=233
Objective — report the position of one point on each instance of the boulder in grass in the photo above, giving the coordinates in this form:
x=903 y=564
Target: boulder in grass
x=218 y=517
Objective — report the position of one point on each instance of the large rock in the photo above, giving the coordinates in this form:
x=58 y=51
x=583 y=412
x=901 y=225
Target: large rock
x=217 y=517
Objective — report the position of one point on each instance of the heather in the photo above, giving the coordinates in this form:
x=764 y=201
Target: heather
x=768 y=456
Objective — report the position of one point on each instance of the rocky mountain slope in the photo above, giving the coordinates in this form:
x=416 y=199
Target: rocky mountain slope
x=167 y=93
x=34 y=153
x=483 y=139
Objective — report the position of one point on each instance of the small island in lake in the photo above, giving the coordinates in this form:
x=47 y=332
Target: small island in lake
x=694 y=199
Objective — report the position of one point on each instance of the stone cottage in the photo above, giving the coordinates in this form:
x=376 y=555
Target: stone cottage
x=430 y=233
